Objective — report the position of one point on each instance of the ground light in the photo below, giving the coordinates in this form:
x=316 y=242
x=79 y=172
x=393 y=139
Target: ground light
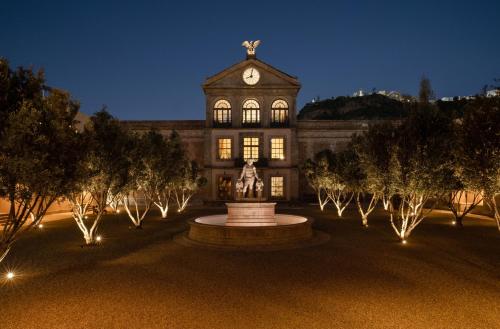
x=98 y=238
x=118 y=211
x=453 y=223
x=40 y=225
x=404 y=242
x=10 y=275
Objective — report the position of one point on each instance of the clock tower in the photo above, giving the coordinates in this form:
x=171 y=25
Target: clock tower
x=251 y=114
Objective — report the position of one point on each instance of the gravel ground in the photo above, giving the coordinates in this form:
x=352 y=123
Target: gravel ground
x=362 y=278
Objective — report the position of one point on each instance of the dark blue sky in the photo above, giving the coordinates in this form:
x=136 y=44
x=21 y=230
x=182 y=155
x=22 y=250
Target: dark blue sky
x=147 y=59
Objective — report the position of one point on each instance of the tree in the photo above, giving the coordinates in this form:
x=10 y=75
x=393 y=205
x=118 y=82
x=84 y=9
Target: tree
x=426 y=94
x=464 y=186
x=330 y=175
x=165 y=157
x=187 y=183
x=105 y=171
x=338 y=190
x=318 y=176
x=481 y=144
x=141 y=182
x=376 y=156
x=422 y=166
x=37 y=149
x=360 y=182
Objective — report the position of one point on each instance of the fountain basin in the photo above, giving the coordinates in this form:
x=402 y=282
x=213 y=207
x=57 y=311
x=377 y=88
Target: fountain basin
x=214 y=230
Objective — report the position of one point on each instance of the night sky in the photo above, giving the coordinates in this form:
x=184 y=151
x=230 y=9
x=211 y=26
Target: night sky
x=148 y=59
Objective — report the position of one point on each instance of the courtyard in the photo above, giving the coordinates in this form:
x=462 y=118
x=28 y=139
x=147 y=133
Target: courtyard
x=444 y=277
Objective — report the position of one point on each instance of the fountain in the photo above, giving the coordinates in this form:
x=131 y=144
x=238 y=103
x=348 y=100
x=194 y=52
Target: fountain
x=250 y=220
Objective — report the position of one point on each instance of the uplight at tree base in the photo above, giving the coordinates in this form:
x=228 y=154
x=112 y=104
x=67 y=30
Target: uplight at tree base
x=404 y=242
x=98 y=238
x=10 y=275
x=453 y=223
x=40 y=225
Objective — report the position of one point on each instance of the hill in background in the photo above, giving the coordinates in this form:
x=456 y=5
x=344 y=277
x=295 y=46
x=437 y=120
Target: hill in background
x=369 y=107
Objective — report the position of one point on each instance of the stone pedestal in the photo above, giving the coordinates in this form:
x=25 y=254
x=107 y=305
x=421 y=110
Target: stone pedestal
x=251 y=214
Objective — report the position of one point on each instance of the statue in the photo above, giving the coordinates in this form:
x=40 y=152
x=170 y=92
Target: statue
x=248 y=176
x=259 y=187
x=250 y=46
x=239 y=188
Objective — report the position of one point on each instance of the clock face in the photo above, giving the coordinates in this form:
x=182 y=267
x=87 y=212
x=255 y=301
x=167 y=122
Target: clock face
x=251 y=76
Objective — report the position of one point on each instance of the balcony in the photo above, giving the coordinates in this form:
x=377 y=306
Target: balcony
x=217 y=124
x=280 y=124
x=261 y=163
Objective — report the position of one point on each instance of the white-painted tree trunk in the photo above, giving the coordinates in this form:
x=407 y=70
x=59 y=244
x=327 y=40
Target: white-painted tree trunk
x=371 y=206
x=496 y=210
x=114 y=201
x=4 y=250
x=162 y=201
x=409 y=215
x=131 y=201
x=183 y=199
x=80 y=203
x=322 y=201
x=340 y=199
x=386 y=202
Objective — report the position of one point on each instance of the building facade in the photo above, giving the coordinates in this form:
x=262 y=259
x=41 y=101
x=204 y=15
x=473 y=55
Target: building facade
x=251 y=113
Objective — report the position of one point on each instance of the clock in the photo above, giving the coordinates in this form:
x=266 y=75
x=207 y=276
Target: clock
x=251 y=76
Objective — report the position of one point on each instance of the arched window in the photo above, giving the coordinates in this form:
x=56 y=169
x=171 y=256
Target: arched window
x=222 y=112
x=251 y=112
x=279 y=112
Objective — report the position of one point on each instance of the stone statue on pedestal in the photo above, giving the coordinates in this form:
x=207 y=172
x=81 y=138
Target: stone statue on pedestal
x=247 y=181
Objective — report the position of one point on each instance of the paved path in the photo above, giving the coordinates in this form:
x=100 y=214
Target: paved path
x=444 y=277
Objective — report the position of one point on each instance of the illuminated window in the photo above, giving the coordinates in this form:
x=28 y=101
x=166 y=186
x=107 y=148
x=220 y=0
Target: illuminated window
x=279 y=112
x=224 y=148
x=251 y=111
x=278 y=148
x=222 y=112
x=277 y=187
x=250 y=148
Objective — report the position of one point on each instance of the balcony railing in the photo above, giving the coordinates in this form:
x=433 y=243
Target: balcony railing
x=251 y=124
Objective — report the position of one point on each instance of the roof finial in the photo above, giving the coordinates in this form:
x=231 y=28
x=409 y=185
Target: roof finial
x=250 y=46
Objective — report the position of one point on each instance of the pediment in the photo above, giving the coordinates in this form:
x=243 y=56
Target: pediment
x=270 y=77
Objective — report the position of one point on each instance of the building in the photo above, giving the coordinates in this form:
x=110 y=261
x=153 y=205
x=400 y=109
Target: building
x=493 y=93
x=251 y=112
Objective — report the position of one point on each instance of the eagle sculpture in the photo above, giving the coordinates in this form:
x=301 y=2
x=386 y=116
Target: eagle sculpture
x=250 y=46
